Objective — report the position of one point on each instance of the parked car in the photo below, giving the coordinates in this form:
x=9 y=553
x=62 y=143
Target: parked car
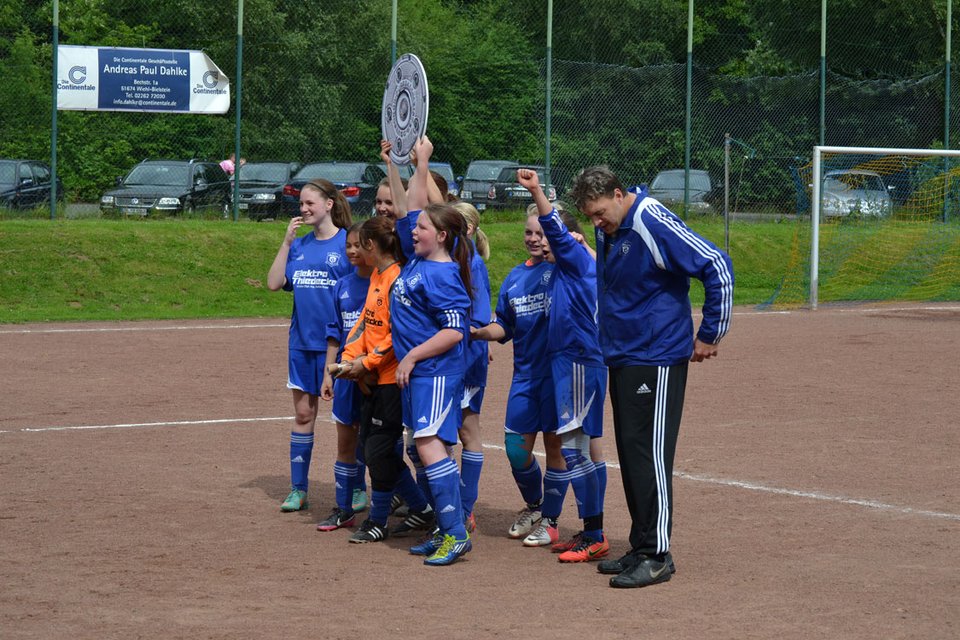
x=667 y=187
x=357 y=181
x=261 y=188
x=480 y=175
x=507 y=193
x=857 y=192
x=169 y=187
x=445 y=169
x=25 y=184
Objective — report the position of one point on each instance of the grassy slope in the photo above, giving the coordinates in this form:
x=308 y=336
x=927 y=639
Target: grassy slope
x=113 y=270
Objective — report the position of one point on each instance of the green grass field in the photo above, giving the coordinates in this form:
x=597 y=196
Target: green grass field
x=150 y=269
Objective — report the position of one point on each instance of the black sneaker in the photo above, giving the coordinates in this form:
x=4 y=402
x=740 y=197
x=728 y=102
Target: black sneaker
x=338 y=518
x=370 y=531
x=415 y=521
x=645 y=572
x=614 y=567
x=395 y=503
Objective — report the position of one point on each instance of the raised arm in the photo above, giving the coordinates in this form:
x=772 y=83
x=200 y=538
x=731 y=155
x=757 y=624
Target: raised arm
x=397 y=192
x=419 y=195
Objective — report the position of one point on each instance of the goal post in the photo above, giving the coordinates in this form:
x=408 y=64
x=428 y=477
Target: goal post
x=853 y=203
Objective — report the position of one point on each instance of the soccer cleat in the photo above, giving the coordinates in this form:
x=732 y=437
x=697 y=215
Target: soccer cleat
x=370 y=531
x=546 y=533
x=449 y=551
x=586 y=550
x=470 y=522
x=527 y=520
x=644 y=572
x=295 y=501
x=360 y=501
x=338 y=518
x=628 y=561
x=398 y=507
x=429 y=545
x=560 y=547
x=415 y=521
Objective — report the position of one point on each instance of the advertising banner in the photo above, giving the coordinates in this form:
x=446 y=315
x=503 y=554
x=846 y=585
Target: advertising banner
x=120 y=79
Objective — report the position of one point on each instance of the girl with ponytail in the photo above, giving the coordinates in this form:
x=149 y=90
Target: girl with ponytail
x=430 y=307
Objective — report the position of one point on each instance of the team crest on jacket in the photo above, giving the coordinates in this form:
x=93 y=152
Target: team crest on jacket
x=625 y=248
x=333 y=258
x=412 y=282
x=545 y=278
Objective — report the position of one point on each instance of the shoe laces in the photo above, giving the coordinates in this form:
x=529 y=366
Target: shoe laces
x=446 y=546
x=525 y=516
x=583 y=543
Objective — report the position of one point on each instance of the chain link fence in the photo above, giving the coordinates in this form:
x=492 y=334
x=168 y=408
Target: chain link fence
x=313 y=81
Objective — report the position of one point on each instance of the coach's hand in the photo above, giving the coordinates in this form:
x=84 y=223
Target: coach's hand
x=703 y=351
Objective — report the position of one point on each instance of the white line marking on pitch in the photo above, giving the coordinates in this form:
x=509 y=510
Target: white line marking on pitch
x=814 y=495
x=739 y=484
x=283 y=325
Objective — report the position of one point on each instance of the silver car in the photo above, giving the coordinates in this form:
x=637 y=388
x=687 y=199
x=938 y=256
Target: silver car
x=853 y=191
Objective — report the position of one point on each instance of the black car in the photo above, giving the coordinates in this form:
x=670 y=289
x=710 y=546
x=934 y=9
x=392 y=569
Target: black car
x=507 y=193
x=357 y=181
x=25 y=184
x=480 y=175
x=261 y=188
x=169 y=187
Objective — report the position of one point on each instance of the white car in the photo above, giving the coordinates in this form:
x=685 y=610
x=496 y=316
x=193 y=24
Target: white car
x=853 y=191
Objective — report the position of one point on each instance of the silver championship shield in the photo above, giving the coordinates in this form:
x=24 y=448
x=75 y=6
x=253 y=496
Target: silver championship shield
x=406 y=101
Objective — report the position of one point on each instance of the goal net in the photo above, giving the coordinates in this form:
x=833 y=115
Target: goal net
x=884 y=224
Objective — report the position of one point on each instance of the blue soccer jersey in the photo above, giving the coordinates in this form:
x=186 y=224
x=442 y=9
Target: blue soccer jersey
x=648 y=262
x=313 y=268
x=478 y=351
x=521 y=311
x=426 y=297
x=572 y=304
x=349 y=296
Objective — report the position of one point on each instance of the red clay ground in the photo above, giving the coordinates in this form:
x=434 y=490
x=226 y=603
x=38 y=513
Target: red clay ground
x=816 y=496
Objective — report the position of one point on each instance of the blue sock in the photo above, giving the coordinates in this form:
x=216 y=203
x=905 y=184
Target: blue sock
x=421 y=474
x=530 y=482
x=380 y=506
x=410 y=491
x=301 y=449
x=555 y=483
x=471 y=462
x=444 y=480
x=583 y=478
x=344 y=479
x=361 y=469
x=601 y=481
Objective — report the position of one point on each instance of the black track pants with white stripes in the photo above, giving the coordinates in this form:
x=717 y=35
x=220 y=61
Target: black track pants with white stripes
x=647 y=407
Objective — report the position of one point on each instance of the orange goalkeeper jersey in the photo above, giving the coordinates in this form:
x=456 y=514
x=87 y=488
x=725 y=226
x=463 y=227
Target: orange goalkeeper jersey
x=371 y=335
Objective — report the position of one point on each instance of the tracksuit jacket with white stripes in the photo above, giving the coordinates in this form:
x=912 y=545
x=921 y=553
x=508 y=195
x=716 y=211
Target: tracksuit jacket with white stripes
x=648 y=263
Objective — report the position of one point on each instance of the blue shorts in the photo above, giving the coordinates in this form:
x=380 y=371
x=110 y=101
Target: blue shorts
x=472 y=398
x=581 y=391
x=430 y=406
x=530 y=406
x=346 y=401
x=305 y=370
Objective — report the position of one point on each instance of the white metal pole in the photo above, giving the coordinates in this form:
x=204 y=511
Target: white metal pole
x=815 y=238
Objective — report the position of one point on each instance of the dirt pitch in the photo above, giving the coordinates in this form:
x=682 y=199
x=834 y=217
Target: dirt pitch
x=816 y=496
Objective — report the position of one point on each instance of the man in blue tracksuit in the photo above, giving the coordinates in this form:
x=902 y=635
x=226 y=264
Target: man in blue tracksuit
x=645 y=258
